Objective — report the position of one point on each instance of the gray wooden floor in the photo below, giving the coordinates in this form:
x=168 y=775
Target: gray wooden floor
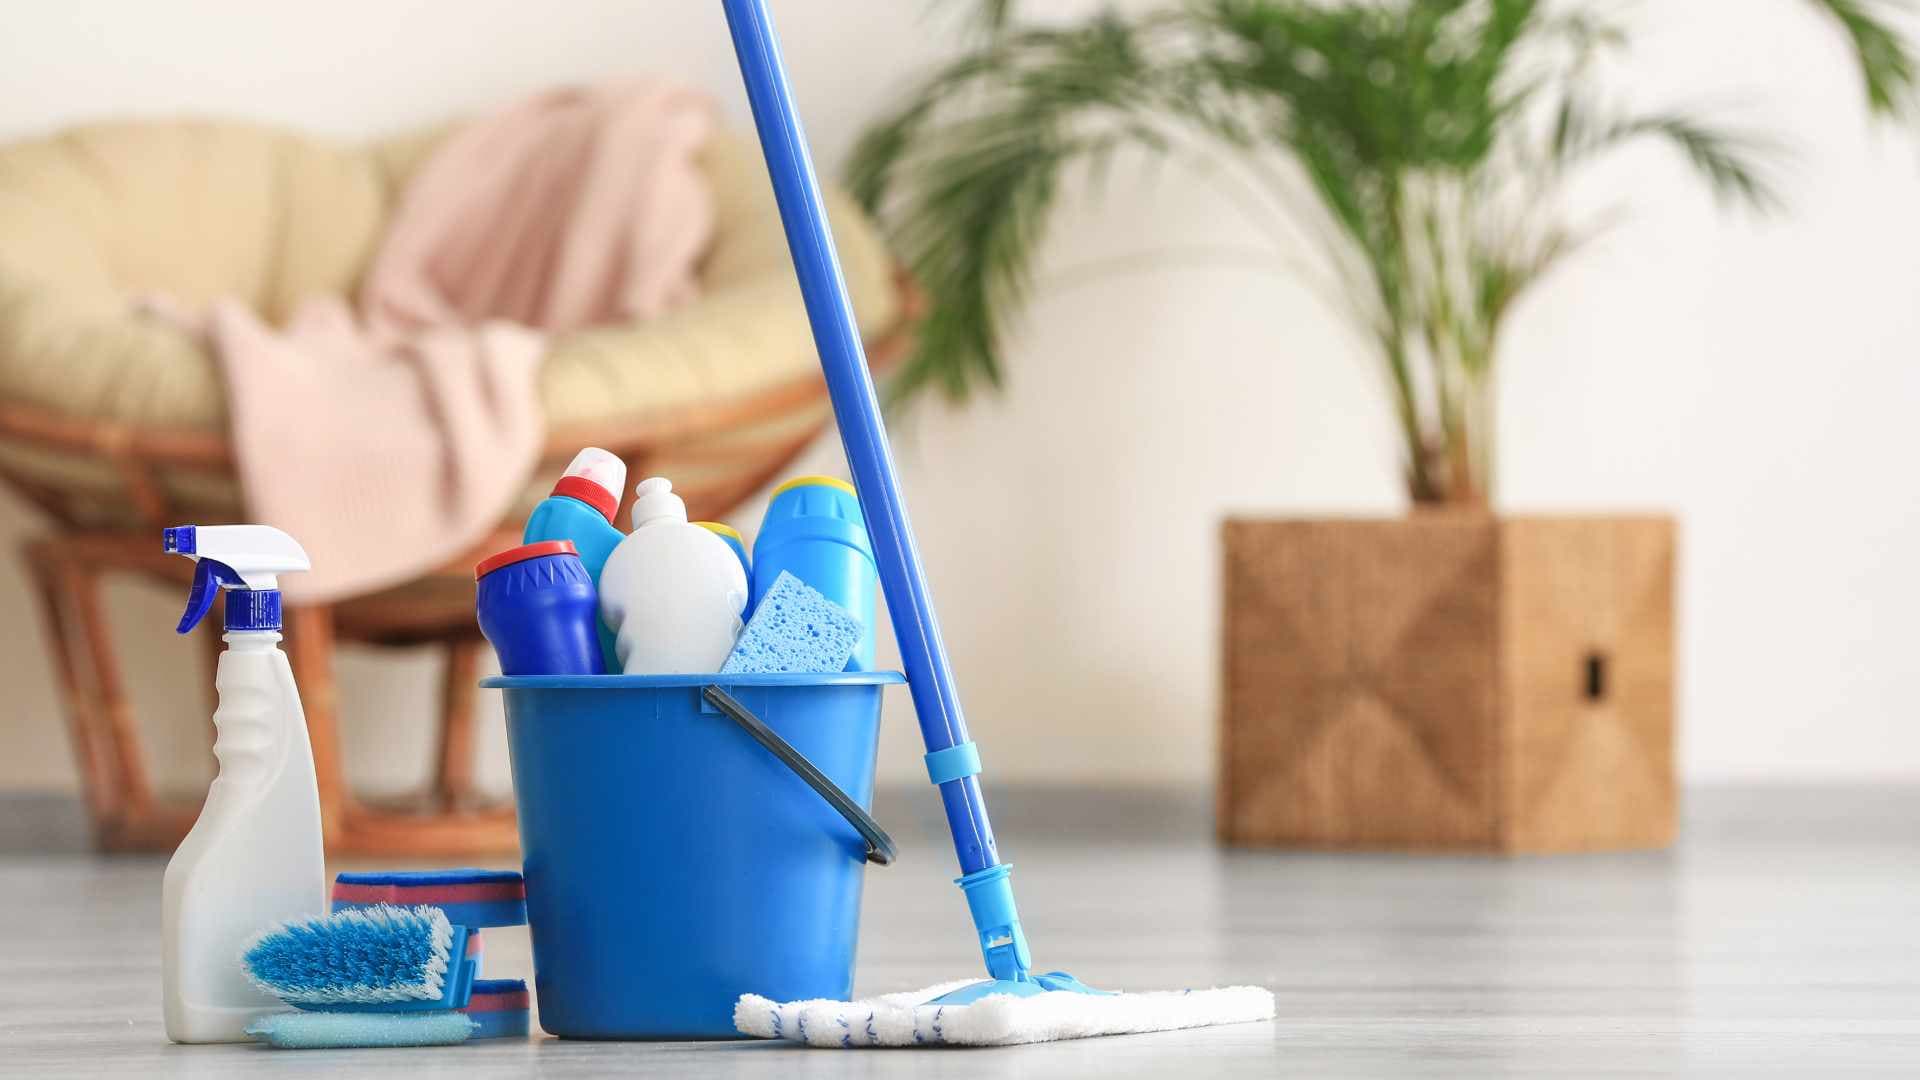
x=1779 y=938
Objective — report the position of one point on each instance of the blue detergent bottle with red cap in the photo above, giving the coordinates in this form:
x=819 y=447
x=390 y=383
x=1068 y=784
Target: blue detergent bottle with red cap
x=581 y=510
x=539 y=609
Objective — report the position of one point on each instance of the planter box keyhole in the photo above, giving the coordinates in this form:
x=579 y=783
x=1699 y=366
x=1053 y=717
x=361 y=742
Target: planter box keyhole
x=1596 y=676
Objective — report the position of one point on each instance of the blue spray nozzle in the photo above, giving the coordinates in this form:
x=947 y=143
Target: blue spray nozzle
x=209 y=577
x=246 y=558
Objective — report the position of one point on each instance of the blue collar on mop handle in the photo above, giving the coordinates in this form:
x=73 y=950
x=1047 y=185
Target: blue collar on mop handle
x=856 y=410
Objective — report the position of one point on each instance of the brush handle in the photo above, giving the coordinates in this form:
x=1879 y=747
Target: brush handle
x=857 y=411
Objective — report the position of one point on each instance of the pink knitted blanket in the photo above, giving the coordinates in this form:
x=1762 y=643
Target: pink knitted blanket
x=389 y=440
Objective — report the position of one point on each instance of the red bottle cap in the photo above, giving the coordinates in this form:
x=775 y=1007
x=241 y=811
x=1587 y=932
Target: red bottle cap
x=589 y=492
x=595 y=477
x=521 y=554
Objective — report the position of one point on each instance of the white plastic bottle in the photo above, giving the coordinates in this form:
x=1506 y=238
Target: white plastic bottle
x=672 y=592
x=254 y=857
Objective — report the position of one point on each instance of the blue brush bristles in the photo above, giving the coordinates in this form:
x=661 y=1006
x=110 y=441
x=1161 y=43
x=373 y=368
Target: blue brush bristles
x=794 y=629
x=357 y=957
x=323 y=1030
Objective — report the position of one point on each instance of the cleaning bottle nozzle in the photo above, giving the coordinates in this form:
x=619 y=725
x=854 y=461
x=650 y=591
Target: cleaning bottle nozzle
x=654 y=500
x=596 y=477
x=247 y=559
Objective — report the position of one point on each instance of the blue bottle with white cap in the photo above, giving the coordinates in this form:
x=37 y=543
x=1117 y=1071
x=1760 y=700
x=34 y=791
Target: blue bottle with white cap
x=813 y=530
x=581 y=510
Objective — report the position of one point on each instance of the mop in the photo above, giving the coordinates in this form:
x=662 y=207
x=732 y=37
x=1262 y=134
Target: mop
x=1014 y=1005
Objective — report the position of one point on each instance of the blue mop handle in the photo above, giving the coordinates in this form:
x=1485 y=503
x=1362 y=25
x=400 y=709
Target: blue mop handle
x=952 y=762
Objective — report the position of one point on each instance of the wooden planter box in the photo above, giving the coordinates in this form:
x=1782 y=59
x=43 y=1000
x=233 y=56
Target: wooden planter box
x=1449 y=681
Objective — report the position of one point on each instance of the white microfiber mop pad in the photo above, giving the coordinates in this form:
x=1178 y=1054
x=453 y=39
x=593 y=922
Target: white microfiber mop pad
x=999 y=1020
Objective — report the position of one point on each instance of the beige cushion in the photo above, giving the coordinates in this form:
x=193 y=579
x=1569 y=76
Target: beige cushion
x=95 y=216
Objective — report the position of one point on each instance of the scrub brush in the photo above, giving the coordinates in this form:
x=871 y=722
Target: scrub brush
x=1015 y=1004
x=400 y=971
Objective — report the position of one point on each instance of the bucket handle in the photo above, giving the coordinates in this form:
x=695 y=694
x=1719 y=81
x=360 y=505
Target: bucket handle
x=880 y=848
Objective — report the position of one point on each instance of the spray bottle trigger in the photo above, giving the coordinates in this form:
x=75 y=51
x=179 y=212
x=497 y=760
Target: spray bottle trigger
x=208 y=577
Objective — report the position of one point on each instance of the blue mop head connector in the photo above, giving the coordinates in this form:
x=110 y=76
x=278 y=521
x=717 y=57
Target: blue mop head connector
x=377 y=959
x=989 y=896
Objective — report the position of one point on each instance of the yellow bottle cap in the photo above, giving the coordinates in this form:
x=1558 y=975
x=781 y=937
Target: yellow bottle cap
x=723 y=529
x=816 y=481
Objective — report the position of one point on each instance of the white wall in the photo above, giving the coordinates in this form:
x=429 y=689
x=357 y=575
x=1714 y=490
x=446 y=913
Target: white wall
x=1759 y=378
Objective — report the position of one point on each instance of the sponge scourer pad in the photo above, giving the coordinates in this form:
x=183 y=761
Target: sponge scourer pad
x=320 y=1030
x=498 y=1009
x=470 y=897
x=794 y=629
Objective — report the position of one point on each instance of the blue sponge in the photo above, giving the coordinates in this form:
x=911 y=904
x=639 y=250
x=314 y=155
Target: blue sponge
x=469 y=897
x=795 y=629
x=319 y=1030
x=498 y=1009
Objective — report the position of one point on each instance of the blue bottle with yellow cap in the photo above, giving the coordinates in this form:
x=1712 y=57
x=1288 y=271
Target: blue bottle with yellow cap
x=814 y=530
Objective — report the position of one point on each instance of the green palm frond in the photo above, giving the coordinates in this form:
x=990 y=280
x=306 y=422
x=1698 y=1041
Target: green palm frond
x=968 y=196
x=1729 y=162
x=1418 y=143
x=1886 y=64
x=993 y=15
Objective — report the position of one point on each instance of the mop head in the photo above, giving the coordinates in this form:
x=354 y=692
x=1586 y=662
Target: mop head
x=329 y=1030
x=997 y=1020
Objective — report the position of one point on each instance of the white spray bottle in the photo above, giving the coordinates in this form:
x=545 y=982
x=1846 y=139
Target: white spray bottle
x=254 y=857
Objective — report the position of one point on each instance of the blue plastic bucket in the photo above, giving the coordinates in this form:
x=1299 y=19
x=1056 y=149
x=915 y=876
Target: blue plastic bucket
x=673 y=863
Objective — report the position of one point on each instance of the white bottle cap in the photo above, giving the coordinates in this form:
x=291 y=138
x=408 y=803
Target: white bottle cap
x=654 y=500
x=602 y=469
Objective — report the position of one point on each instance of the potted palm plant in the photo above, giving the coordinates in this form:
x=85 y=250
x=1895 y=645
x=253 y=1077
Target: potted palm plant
x=1464 y=679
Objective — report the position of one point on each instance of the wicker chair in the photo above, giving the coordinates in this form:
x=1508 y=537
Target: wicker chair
x=114 y=426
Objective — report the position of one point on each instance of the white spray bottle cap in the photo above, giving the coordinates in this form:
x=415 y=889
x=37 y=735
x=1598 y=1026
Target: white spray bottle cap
x=654 y=501
x=247 y=559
